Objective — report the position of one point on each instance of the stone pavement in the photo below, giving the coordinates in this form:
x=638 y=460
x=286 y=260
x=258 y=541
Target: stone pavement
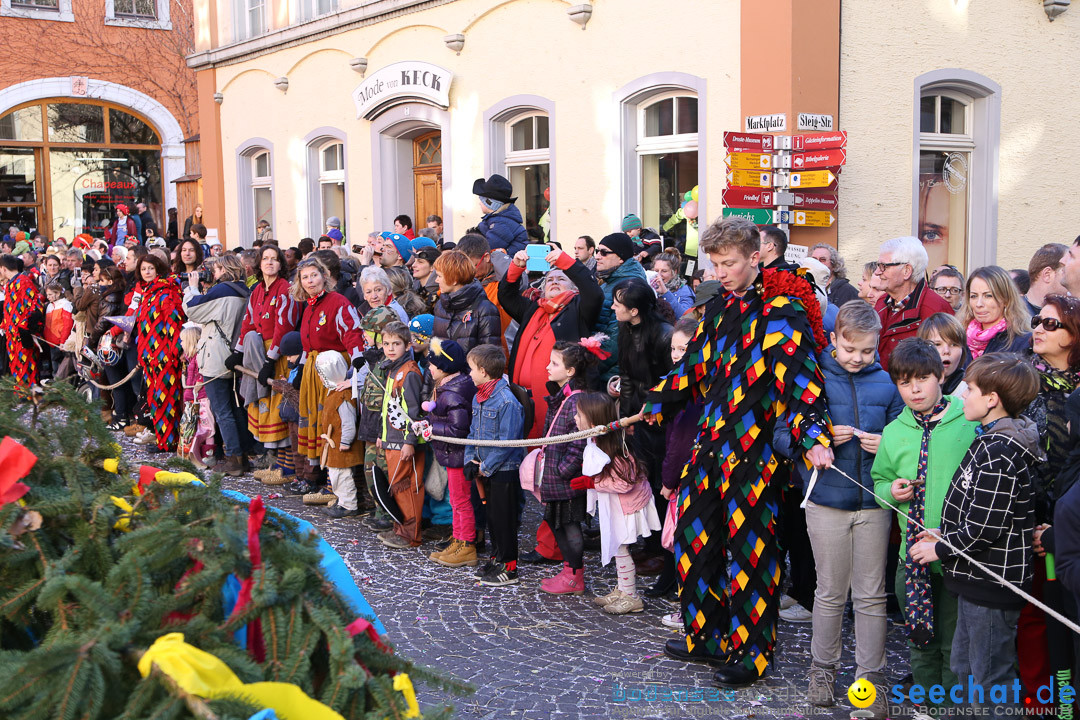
x=530 y=655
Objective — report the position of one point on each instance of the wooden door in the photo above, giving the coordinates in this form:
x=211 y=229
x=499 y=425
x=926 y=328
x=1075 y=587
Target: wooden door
x=427 y=177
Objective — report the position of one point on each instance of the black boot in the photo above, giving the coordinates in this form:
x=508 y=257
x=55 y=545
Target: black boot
x=676 y=648
x=665 y=582
x=735 y=675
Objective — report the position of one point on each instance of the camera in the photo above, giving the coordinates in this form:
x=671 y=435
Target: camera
x=206 y=275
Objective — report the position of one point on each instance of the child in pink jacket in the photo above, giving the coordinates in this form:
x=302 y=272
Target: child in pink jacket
x=202 y=446
x=620 y=497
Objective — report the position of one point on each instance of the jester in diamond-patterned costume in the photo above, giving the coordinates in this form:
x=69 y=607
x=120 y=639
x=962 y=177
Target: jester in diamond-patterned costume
x=159 y=320
x=751 y=363
x=22 y=298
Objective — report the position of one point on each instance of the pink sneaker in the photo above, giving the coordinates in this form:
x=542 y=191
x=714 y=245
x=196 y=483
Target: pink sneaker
x=568 y=582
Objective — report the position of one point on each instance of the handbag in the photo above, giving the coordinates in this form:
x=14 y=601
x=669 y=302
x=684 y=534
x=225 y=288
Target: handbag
x=671 y=519
x=531 y=472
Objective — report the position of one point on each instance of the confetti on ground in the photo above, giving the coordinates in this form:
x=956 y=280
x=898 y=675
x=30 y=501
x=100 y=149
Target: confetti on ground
x=275 y=496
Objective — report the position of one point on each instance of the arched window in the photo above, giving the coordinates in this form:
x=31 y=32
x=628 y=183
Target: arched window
x=528 y=165
x=957 y=126
x=667 y=149
x=255 y=181
x=66 y=164
x=332 y=182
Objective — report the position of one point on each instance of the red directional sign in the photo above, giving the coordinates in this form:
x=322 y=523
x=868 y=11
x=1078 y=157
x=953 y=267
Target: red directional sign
x=818 y=159
x=819 y=141
x=815 y=201
x=748 y=142
x=742 y=197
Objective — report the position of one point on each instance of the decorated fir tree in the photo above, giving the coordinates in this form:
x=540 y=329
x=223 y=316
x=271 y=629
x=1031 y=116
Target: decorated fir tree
x=101 y=562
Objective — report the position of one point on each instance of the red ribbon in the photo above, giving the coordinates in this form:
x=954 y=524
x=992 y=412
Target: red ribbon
x=15 y=463
x=256 y=515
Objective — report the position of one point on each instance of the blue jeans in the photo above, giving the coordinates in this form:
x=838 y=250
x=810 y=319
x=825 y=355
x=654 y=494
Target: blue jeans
x=984 y=647
x=230 y=418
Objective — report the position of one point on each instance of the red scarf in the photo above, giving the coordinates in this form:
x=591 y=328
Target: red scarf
x=554 y=305
x=484 y=391
x=312 y=300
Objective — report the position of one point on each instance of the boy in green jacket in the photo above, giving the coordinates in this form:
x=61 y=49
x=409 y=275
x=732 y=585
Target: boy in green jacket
x=916 y=460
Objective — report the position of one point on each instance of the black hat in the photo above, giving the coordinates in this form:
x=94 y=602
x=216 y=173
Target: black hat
x=620 y=244
x=448 y=356
x=427 y=253
x=706 y=291
x=290 y=344
x=495 y=187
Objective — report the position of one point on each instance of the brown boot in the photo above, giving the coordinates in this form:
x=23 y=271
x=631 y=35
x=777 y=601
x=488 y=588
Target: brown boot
x=230 y=466
x=459 y=553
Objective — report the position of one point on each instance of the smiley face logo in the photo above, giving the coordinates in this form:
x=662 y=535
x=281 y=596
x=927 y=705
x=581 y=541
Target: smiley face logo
x=862 y=693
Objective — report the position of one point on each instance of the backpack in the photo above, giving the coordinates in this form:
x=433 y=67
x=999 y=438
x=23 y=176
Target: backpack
x=524 y=396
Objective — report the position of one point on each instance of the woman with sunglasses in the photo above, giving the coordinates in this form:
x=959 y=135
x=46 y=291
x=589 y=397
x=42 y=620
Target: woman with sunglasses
x=1055 y=354
x=993 y=315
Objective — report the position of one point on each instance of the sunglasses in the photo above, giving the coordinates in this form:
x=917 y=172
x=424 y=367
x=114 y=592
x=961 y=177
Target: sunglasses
x=1050 y=324
x=605 y=253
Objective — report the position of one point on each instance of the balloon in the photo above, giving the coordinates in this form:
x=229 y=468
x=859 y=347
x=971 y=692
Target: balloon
x=693 y=194
x=688 y=195
x=547 y=194
x=690 y=211
x=683 y=204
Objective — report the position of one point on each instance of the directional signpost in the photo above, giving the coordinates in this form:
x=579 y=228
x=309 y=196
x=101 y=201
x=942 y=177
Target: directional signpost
x=806 y=218
x=819 y=141
x=758 y=217
x=811 y=179
x=817 y=159
x=748 y=142
x=750 y=179
x=742 y=197
x=749 y=161
x=807 y=201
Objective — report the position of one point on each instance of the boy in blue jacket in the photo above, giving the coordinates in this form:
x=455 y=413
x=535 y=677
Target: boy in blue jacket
x=849 y=532
x=496 y=415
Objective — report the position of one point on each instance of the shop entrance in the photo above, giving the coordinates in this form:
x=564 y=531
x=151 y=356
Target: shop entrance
x=427 y=176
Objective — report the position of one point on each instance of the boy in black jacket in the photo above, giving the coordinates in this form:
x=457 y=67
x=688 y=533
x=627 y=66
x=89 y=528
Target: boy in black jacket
x=989 y=514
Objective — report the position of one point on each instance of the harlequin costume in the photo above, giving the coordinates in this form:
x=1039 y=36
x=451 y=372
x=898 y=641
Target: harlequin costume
x=22 y=298
x=270 y=312
x=329 y=324
x=751 y=363
x=159 y=319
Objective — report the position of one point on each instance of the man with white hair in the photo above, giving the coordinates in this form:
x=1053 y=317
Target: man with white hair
x=907 y=302
x=119 y=256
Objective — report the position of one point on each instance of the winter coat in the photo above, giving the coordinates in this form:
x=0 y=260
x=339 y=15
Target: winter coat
x=562 y=462
x=504 y=230
x=898 y=457
x=867 y=400
x=111 y=303
x=644 y=360
x=607 y=323
x=88 y=302
x=1067 y=539
x=403 y=382
x=573 y=322
x=989 y=513
x=1000 y=343
x=895 y=327
x=132 y=231
x=219 y=311
x=500 y=417
x=452 y=417
x=468 y=317
x=680 y=300
x=841 y=291
x=627 y=478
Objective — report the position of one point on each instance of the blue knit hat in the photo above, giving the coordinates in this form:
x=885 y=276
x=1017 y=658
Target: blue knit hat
x=335 y=234
x=290 y=344
x=422 y=242
x=403 y=245
x=422 y=325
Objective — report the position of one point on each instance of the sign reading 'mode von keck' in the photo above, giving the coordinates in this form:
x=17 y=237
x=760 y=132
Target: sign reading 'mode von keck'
x=400 y=82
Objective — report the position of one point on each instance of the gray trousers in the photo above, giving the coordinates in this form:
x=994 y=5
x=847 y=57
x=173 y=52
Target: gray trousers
x=984 y=648
x=849 y=550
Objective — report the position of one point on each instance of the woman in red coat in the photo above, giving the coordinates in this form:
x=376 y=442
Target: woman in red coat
x=271 y=313
x=158 y=320
x=329 y=323
x=22 y=298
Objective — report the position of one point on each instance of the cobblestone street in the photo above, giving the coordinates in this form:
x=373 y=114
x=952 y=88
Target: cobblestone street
x=534 y=656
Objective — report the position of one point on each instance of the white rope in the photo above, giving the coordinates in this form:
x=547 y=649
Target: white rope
x=1000 y=580
x=553 y=440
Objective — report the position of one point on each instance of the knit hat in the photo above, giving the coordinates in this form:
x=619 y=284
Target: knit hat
x=422 y=242
x=333 y=221
x=335 y=234
x=422 y=326
x=631 y=222
x=448 y=356
x=620 y=244
x=291 y=344
x=404 y=247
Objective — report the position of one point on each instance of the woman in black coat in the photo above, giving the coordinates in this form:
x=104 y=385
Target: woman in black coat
x=463 y=313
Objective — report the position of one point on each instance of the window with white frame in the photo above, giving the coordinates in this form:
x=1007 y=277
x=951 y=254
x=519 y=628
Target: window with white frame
x=153 y=14
x=946 y=153
x=311 y=9
x=261 y=192
x=38 y=9
x=250 y=18
x=667 y=150
x=528 y=165
x=332 y=182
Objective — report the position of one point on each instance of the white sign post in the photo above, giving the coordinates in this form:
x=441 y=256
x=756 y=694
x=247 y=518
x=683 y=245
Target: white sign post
x=766 y=123
x=401 y=82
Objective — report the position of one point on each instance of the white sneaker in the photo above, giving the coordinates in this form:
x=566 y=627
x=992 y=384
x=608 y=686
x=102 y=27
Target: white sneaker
x=145 y=437
x=786 y=601
x=673 y=621
x=796 y=614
